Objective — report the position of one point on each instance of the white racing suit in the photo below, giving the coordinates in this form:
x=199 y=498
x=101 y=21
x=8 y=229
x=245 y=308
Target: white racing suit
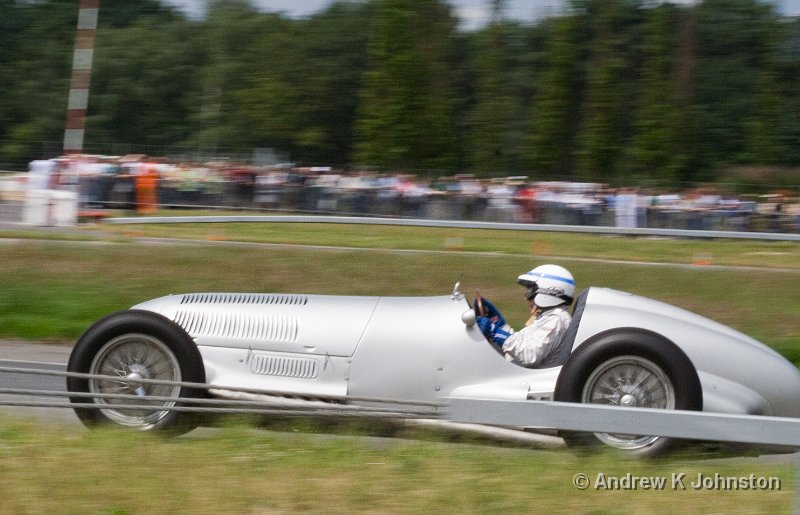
x=540 y=338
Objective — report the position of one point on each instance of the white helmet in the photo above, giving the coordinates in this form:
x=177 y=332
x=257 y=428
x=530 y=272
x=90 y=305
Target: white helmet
x=548 y=285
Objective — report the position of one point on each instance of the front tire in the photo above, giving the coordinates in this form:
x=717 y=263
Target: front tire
x=136 y=345
x=629 y=367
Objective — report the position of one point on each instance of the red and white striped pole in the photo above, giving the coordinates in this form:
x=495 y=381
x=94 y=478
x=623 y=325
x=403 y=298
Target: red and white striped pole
x=81 y=75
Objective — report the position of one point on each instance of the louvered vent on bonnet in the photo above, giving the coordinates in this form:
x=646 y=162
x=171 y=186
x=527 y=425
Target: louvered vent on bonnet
x=244 y=298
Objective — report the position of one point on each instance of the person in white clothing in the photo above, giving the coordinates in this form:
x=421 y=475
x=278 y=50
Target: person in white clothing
x=549 y=290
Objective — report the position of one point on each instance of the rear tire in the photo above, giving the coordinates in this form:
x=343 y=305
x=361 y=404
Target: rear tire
x=136 y=345
x=629 y=367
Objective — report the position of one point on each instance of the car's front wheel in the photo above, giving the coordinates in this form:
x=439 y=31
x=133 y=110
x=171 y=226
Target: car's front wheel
x=128 y=347
x=629 y=368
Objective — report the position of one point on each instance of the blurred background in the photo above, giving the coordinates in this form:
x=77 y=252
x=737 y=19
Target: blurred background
x=330 y=106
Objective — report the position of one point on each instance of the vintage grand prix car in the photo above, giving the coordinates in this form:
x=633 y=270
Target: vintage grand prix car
x=620 y=349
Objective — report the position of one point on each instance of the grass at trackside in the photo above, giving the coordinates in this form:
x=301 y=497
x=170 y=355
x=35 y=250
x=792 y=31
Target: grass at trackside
x=55 y=289
x=529 y=243
x=721 y=252
x=239 y=470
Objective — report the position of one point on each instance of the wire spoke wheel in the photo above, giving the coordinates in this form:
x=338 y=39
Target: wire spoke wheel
x=629 y=367
x=629 y=381
x=133 y=357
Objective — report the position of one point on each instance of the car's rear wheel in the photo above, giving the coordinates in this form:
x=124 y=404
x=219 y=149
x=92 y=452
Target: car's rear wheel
x=132 y=346
x=629 y=368
x=629 y=381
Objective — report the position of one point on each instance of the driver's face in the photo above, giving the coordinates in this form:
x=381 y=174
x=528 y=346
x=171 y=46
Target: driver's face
x=535 y=311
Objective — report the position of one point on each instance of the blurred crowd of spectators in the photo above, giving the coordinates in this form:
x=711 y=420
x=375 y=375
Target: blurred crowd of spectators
x=147 y=184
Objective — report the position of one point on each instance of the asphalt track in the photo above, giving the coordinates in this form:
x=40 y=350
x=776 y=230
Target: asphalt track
x=37 y=356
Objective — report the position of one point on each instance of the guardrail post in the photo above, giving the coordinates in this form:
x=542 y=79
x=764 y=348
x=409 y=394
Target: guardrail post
x=797 y=485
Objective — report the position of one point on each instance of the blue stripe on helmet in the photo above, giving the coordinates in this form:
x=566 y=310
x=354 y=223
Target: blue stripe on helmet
x=554 y=277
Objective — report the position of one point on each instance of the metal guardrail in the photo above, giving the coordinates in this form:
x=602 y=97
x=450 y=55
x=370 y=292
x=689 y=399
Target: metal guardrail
x=594 y=418
x=690 y=425
x=455 y=224
x=273 y=403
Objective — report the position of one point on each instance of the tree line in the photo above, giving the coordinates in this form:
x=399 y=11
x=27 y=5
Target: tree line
x=611 y=90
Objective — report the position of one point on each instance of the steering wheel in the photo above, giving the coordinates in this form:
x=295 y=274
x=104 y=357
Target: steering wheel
x=480 y=308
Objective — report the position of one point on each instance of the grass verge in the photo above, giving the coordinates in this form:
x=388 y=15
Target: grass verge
x=241 y=470
x=528 y=243
x=53 y=290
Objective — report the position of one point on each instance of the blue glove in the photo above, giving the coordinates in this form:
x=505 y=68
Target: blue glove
x=493 y=313
x=493 y=326
x=487 y=327
x=501 y=334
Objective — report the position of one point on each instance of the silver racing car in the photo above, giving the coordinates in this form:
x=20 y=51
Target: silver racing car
x=138 y=367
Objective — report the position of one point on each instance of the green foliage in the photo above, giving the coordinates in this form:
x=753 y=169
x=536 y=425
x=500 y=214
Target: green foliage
x=143 y=89
x=503 y=70
x=654 y=150
x=302 y=97
x=555 y=106
x=619 y=91
x=405 y=117
x=602 y=133
x=733 y=39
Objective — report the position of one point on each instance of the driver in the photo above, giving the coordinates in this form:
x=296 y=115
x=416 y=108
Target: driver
x=549 y=292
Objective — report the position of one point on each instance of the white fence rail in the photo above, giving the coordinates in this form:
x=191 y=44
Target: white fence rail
x=690 y=425
x=455 y=224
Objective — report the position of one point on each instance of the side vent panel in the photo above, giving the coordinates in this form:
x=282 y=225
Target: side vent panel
x=280 y=366
x=243 y=326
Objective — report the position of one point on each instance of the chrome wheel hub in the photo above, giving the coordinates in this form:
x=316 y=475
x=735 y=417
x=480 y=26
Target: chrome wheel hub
x=137 y=372
x=133 y=358
x=629 y=381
